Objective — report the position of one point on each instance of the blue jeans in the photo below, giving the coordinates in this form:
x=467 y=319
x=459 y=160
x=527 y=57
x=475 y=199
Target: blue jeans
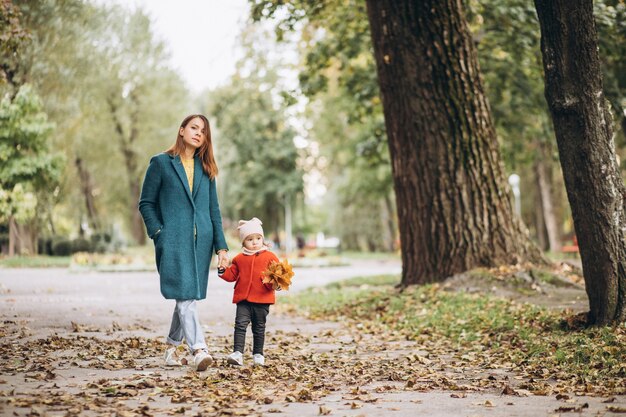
x=185 y=324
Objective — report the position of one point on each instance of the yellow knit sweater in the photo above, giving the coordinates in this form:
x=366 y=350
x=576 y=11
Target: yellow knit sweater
x=188 y=165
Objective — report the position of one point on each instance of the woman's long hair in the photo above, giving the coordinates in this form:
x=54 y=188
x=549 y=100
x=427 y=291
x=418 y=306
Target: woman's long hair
x=204 y=152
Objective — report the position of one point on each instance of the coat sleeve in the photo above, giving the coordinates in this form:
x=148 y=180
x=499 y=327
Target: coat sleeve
x=231 y=274
x=148 y=202
x=219 y=242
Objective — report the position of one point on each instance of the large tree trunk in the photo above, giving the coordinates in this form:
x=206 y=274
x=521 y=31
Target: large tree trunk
x=389 y=224
x=13 y=236
x=545 y=199
x=540 y=226
x=127 y=147
x=86 y=186
x=22 y=238
x=453 y=203
x=582 y=122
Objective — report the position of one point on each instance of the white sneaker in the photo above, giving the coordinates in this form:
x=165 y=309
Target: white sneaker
x=172 y=357
x=235 y=358
x=202 y=360
x=258 y=359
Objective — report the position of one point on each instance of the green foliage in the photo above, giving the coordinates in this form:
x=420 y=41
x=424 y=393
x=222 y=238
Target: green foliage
x=510 y=57
x=103 y=79
x=62 y=247
x=339 y=79
x=13 y=39
x=255 y=144
x=17 y=203
x=81 y=245
x=611 y=24
x=24 y=147
x=26 y=163
x=36 y=262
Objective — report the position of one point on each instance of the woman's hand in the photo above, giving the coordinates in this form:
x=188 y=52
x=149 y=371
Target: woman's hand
x=222 y=259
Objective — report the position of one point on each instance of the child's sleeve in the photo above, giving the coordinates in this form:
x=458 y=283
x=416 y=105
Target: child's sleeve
x=232 y=272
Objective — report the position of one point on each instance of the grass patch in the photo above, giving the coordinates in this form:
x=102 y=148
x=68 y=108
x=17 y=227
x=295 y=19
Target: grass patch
x=549 y=277
x=318 y=301
x=35 y=262
x=492 y=332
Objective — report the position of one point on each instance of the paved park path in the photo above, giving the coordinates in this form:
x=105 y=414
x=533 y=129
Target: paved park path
x=89 y=343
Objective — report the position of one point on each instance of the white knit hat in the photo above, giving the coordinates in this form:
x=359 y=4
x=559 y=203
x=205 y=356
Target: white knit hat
x=250 y=227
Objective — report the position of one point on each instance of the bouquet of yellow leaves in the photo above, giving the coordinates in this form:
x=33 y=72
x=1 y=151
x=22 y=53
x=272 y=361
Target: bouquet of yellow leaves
x=278 y=274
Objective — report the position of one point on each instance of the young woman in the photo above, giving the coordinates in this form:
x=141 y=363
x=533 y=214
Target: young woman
x=182 y=216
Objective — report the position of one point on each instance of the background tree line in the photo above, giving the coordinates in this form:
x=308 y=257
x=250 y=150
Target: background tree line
x=88 y=97
x=338 y=77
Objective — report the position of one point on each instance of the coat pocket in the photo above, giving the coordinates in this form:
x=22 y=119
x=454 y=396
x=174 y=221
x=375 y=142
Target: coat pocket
x=157 y=237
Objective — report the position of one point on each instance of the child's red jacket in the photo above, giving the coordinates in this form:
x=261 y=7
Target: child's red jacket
x=246 y=271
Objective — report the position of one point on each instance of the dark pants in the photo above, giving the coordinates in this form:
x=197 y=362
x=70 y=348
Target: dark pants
x=251 y=312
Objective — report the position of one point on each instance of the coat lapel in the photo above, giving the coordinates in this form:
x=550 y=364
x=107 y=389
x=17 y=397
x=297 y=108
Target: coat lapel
x=180 y=170
x=197 y=175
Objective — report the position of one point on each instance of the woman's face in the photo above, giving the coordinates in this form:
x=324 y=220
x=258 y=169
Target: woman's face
x=194 y=134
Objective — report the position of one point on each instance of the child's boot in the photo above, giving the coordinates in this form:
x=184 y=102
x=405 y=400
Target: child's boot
x=258 y=359
x=235 y=358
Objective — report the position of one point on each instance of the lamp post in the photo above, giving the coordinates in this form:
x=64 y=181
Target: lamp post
x=514 y=181
x=288 y=243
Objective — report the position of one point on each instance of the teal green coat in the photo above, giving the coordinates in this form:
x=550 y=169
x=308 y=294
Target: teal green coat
x=186 y=227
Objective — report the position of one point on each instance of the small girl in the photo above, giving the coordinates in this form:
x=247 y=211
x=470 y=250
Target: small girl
x=252 y=296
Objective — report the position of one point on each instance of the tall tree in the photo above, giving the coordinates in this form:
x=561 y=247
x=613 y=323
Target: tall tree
x=257 y=153
x=507 y=35
x=106 y=85
x=142 y=93
x=348 y=145
x=13 y=38
x=26 y=166
x=453 y=206
x=584 y=133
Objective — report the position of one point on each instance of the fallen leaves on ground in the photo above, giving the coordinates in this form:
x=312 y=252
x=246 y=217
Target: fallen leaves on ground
x=369 y=354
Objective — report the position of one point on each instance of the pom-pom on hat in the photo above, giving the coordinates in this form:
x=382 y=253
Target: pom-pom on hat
x=250 y=227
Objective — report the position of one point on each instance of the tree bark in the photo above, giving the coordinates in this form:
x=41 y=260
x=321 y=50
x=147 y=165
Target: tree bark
x=582 y=122
x=22 y=238
x=13 y=236
x=547 y=208
x=86 y=186
x=453 y=201
x=388 y=223
x=540 y=226
x=127 y=147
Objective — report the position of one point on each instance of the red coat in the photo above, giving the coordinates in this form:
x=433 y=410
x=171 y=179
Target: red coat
x=246 y=272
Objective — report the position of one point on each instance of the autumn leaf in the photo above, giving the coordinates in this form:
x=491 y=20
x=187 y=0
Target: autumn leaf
x=279 y=274
x=572 y=409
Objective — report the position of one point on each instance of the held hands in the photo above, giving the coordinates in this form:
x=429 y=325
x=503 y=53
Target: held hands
x=222 y=261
